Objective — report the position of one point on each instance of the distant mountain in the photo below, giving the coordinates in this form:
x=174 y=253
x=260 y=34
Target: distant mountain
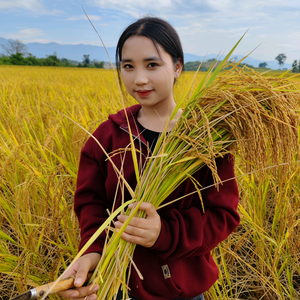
x=76 y=52
x=72 y=52
x=192 y=57
x=3 y=41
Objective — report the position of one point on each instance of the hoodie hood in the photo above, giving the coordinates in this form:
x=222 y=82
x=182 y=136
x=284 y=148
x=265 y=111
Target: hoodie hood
x=120 y=117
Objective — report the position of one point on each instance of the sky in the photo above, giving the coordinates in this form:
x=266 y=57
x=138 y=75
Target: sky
x=204 y=26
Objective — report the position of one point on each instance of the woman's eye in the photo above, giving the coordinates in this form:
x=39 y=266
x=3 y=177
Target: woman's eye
x=152 y=65
x=127 y=66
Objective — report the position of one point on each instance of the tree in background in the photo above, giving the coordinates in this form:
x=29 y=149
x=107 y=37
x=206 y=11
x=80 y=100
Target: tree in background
x=99 y=64
x=51 y=60
x=263 y=65
x=15 y=47
x=193 y=65
x=87 y=63
x=281 y=59
x=295 y=66
x=66 y=62
x=4 y=60
x=32 y=60
x=86 y=59
x=17 y=59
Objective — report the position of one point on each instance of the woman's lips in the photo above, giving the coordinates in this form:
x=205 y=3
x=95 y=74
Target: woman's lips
x=144 y=93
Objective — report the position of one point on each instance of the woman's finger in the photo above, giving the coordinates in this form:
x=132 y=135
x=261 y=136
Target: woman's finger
x=81 y=268
x=136 y=231
x=79 y=293
x=135 y=221
x=139 y=240
x=91 y=297
x=149 y=210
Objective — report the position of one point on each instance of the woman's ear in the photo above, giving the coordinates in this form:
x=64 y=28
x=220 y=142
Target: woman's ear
x=178 y=67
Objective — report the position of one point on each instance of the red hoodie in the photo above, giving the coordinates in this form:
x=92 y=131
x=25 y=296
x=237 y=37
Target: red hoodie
x=187 y=234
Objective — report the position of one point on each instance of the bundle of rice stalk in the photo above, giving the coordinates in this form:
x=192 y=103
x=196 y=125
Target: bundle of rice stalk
x=230 y=112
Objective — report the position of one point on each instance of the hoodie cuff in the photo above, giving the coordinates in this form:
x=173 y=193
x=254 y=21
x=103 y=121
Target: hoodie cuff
x=97 y=246
x=163 y=243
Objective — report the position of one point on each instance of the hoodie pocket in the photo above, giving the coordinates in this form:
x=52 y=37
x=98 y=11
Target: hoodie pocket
x=174 y=291
x=157 y=282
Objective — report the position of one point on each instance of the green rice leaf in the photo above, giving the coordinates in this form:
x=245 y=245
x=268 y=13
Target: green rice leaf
x=4 y=236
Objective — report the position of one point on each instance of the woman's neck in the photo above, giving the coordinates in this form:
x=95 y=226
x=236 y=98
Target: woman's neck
x=155 y=119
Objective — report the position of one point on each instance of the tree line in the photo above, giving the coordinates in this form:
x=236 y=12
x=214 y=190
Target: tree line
x=16 y=53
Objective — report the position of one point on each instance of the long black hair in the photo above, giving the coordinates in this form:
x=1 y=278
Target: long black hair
x=158 y=31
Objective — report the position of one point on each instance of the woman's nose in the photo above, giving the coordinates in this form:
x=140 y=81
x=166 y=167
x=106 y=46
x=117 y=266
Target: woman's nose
x=140 y=78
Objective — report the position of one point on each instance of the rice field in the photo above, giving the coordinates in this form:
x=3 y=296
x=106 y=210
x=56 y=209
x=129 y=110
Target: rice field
x=40 y=145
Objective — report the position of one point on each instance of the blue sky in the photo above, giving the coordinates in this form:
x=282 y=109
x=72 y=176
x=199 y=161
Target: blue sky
x=205 y=26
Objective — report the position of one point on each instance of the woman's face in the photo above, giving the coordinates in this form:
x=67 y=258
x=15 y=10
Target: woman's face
x=148 y=75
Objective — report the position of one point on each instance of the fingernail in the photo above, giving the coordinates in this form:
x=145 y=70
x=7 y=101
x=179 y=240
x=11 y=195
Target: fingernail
x=93 y=297
x=75 y=294
x=95 y=289
x=130 y=206
x=118 y=217
x=78 y=281
x=117 y=223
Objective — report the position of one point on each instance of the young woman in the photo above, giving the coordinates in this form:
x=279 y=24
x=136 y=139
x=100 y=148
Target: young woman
x=174 y=243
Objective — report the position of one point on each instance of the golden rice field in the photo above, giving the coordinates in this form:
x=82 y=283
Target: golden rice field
x=40 y=144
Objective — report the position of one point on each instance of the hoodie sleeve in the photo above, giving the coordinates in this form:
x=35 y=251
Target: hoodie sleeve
x=187 y=231
x=98 y=185
x=90 y=202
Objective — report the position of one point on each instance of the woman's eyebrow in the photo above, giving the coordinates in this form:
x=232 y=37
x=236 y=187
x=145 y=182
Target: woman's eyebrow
x=125 y=60
x=152 y=58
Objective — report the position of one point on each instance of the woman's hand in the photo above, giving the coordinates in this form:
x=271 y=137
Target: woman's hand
x=80 y=268
x=141 y=231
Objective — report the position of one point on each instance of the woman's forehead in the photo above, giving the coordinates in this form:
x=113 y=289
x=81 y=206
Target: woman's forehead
x=141 y=47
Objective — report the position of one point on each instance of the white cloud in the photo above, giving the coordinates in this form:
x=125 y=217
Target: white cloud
x=135 y=8
x=133 y=4
x=32 y=5
x=176 y=7
x=24 y=34
x=233 y=32
x=84 y=17
x=287 y=46
x=295 y=35
x=43 y=41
